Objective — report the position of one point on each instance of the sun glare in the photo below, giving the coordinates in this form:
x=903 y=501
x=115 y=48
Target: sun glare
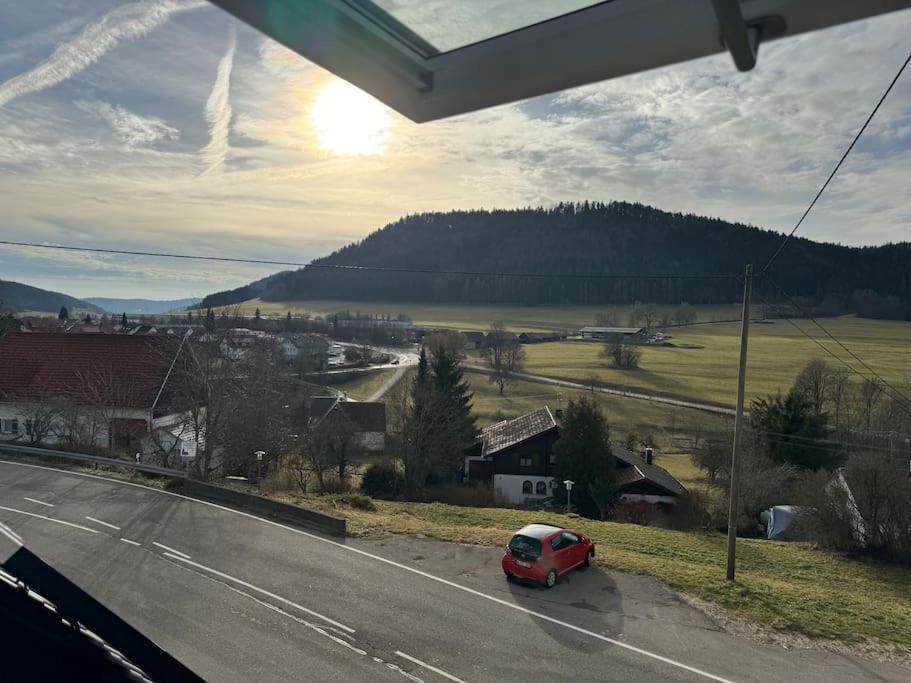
x=348 y=120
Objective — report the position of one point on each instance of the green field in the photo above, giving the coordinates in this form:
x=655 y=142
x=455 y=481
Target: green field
x=776 y=354
x=362 y=386
x=518 y=318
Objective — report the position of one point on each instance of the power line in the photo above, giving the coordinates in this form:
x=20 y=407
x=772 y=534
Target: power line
x=902 y=398
x=837 y=167
x=381 y=269
x=818 y=324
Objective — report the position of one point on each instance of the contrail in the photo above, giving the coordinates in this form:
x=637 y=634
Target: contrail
x=94 y=41
x=218 y=112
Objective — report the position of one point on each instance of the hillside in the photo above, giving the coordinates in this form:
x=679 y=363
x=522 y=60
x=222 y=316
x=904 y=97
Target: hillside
x=580 y=254
x=145 y=306
x=27 y=298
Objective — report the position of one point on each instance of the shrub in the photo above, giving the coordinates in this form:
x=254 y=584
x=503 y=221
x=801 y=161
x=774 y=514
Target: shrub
x=356 y=500
x=382 y=480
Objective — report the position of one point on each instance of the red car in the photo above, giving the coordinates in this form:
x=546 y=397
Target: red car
x=542 y=552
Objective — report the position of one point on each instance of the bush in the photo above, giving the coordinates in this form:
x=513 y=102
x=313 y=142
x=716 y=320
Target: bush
x=382 y=480
x=356 y=500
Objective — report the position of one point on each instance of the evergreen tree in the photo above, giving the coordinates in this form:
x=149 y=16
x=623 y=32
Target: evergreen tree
x=63 y=314
x=256 y=316
x=584 y=456
x=88 y=319
x=455 y=398
x=123 y=319
x=792 y=432
x=210 y=321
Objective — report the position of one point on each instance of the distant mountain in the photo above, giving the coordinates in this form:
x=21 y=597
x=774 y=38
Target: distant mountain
x=589 y=253
x=147 y=306
x=27 y=298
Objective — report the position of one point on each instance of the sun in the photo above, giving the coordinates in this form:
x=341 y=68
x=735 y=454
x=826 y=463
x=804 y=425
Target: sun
x=348 y=120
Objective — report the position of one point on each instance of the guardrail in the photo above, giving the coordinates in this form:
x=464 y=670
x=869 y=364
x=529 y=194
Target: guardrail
x=284 y=512
x=96 y=459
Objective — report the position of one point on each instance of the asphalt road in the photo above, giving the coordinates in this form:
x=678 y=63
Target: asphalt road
x=238 y=598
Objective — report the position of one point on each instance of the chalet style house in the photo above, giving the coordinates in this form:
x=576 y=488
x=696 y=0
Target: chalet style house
x=517 y=457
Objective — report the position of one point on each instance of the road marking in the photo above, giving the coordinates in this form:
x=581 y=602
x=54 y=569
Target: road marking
x=243 y=583
x=171 y=550
x=427 y=666
x=40 y=502
x=49 y=519
x=126 y=540
x=393 y=563
x=98 y=521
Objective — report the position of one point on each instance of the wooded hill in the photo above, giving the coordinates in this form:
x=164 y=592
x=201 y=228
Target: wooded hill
x=27 y=298
x=589 y=253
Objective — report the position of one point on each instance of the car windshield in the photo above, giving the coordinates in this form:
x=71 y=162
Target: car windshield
x=525 y=546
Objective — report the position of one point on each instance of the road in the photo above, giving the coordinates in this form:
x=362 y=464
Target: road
x=627 y=393
x=239 y=598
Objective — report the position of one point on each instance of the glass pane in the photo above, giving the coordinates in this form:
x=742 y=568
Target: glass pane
x=455 y=23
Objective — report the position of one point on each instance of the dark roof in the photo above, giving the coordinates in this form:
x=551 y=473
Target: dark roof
x=637 y=470
x=538 y=530
x=503 y=435
x=473 y=336
x=366 y=416
x=40 y=365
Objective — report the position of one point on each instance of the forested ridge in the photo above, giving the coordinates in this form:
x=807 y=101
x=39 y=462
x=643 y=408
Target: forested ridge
x=588 y=253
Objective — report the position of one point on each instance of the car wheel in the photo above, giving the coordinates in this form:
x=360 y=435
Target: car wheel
x=588 y=558
x=508 y=576
x=550 y=579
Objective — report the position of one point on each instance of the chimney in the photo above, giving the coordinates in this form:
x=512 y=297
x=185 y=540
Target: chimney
x=649 y=455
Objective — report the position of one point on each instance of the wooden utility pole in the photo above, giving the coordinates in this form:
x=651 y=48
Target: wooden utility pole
x=738 y=421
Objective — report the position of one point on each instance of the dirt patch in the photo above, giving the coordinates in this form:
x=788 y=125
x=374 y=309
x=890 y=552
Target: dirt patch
x=869 y=648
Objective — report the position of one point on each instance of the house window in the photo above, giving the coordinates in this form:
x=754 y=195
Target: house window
x=524 y=462
x=541 y=488
x=9 y=426
x=526 y=487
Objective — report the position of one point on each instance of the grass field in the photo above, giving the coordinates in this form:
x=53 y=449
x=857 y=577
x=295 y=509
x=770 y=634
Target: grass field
x=362 y=386
x=518 y=318
x=776 y=354
x=786 y=586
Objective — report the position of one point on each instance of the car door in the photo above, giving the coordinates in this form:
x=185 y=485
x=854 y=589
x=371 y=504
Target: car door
x=573 y=549
x=558 y=551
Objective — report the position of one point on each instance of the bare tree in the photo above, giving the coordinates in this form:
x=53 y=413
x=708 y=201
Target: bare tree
x=449 y=340
x=813 y=384
x=327 y=447
x=620 y=354
x=504 y=354
x=649 y=313
x=40 y=417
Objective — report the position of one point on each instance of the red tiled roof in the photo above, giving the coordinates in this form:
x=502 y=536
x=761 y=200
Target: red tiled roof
x=38 y=365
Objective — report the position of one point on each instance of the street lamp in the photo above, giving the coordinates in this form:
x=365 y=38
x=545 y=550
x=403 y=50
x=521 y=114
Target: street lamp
x=259 y=464
x=568 y=483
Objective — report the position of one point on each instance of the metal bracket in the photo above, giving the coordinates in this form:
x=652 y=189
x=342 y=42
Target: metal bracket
x=742 y=38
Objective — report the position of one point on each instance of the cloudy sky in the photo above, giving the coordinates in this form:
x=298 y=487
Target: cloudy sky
x=167 y=125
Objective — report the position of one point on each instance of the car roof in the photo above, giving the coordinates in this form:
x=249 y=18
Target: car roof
x=539 y=530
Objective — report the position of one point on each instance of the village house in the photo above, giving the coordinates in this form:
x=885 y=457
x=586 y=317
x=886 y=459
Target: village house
x=83 y=390
x=517 y=458
x=367 y=419
x=540 y=337
x=473 y=339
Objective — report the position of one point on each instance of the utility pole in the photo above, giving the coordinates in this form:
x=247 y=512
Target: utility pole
x=738 y=421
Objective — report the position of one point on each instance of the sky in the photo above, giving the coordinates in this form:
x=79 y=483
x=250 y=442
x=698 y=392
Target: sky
x=167 y=125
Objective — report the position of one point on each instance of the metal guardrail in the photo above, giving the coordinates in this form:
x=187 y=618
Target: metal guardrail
x=96 y=459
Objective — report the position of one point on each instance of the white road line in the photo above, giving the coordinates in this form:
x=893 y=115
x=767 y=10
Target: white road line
x=171 y=550
x=40 y=502
x=49 y=519
x=429 y=667
x=98 y=521
x=243 y=583
x=405 y=567
x=126 y=540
